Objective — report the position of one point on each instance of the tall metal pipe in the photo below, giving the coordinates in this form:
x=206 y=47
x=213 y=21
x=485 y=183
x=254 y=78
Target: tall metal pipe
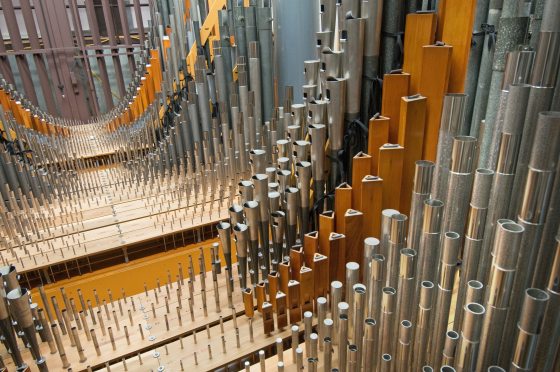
x=549 y=341
x=468 y=349
x=451 y=246
x=404 y=346
x=474 y=235
x=386 y=342
x=533 y=211
x=423 y=324
x=397 y=240
x=499 y=293
x=407 y=272
x=529 y=329
x=423 y=176
x=429 y=242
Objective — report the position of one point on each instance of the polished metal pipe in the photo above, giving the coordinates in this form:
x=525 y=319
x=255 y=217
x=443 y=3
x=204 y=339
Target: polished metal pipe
x=342 y=341
x=397 y=240
x=459 y=184
x=507 y=243
x=260 y=181
x=375 y=285
x=318 y=134
x=292 y=214
x=352 y=37
x=386 y=215
x=303 y=174
x=533 y=213
x=451 y=245
x=336 y=294
x=474 y=235
x=386 y=363
x=370 y=344
x=386 y=342
x=358 y=316
x=423 y=324
x=278 y=229
x=404 y=346
x=429 y=242
x=468 y=349
x=241 y=239
x=336 y=95
x=252 y=217
x=423 y=175
x=371 y=247
x=529 y=329
x=549 y=341
x=449 y=348
x=19 y=303
x=224 y=232
x=407 y=272
x=353 y=363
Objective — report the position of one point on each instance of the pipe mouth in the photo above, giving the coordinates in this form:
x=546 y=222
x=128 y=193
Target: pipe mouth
x=251 y=204
x=409 y=252
x=427 y=284
x=328 y=322
x=452 y=235
x=327 y=339
x=370 y=321
x=343 y=317
x=475 y=284
x=389 y=212
x=260 y=177
x=496 y=369
x=387 y=357
x=406 y=323
x=352 y=347
x=359 y=288
x=434 y=203
x=425 y=163
x=427 y=369
x=475 y=308
x=399 y=217
x=484 y=171
x=389 y=290
x=336 y=284
x=352 y=266
x=537 y=294
x=512 y=227
x=452 y=335
x=378 y=257
x=447 y=369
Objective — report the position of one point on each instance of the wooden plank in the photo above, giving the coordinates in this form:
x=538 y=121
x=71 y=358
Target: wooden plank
x=457 y=32
x=395 y=86
x=372 y=202
x=352 y=229
x=420 y=30
x=361 y=167
x=342 y=202
x=378 y=135
x=433 y=86
x=391 y=159
x=326 y=227
x=411 y=136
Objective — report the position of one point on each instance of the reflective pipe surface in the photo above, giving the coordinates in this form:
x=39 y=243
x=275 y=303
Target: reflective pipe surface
x=423 y=324
x=468 y=349
x=423 y=175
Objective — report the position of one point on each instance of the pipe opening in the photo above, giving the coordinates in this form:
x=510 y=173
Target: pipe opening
x=409 y=252
x=537 y=294
x=447 y=369
x=427 y=284
x=434 y=203
x=452 y=335
x=475 y=284
x=484 y=171
x=359 y=289
x=352 y=347
x=496 y=369
x=386 y=357
x=389 y=290
x=399 y=217
x=476 y=308
x=512 y=227
x=406 y=323
x=370 y=321
x=427 y=369
x=452 y=235
x=378 y=257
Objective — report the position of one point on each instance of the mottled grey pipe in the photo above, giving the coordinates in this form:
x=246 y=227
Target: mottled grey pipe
x=452 y=121
x=512 y=29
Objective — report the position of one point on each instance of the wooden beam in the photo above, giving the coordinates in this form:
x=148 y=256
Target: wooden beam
x=433 y=86
x=391 y=159
x=420 y=30
x=457 y=32
x=395 y=86
x=411 y=136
